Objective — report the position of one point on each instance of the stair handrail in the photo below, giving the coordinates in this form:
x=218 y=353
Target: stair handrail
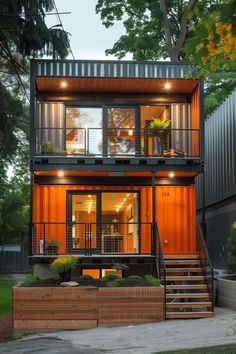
x=159 y=257
x=205 y=261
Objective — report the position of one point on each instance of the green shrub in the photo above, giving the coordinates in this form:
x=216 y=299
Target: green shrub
x=134 y=277
x=110 y=277
x=86 y=277
x=64 y=263
x=120 y=266
x=231 y=250
x=29 y=280
x=112 y=284
x=152 y=280
x=119 y=280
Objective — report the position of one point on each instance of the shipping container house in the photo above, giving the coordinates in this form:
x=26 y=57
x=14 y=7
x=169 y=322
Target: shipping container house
x=108 y=186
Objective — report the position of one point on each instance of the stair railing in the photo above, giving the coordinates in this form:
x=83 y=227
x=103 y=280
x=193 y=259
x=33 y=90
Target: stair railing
x=160 y=264
x=205 y=262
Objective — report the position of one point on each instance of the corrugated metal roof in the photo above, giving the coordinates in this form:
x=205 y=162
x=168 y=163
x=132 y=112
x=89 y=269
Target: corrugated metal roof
x=111 y=69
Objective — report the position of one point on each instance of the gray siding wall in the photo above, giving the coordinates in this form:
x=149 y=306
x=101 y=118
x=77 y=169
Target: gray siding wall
x=220 y=147
x=50 y=115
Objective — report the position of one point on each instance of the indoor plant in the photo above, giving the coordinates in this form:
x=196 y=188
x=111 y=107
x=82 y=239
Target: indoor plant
x=157 y=130
x=46 y=147
x=63 y=266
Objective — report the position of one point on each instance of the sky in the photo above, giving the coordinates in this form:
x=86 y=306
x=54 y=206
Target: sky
x=89 y=38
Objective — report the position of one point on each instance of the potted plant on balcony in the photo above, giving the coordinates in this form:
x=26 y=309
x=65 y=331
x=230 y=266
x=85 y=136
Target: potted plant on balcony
x=157 y=130
x=63 y=266
x=46 y=147
x=52 y=246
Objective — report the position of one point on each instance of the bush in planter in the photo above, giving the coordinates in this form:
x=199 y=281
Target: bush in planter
x=152 y=280
x=86 y=277
x=52 y=246
x=231 y=250
x=63 y=266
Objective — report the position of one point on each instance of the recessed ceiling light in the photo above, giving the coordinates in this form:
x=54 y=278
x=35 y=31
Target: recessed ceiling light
x=171 y=174
x=60 y=173
x=63 y=84
x=167 y=85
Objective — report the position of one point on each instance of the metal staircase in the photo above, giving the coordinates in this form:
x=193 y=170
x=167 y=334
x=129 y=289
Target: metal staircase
x=188 y=281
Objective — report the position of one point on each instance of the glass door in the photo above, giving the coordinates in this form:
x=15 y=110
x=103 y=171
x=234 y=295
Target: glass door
x=122 y=130
x=83 y=221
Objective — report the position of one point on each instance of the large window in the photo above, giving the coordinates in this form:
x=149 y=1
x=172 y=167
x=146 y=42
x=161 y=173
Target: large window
x=83 y=130
x=121 y=131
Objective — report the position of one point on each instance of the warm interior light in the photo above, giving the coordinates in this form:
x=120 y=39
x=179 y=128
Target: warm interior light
x=167 y=85
x=171 y=174
x=63 y=84
x=130 y=132
x=60 y=173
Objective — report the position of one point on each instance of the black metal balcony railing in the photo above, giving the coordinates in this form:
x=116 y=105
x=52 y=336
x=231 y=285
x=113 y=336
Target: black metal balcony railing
x=92 y=238
x=166 y=143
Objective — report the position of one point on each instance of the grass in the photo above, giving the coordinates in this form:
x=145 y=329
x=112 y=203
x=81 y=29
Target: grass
x=6 y=284
x=219 y=349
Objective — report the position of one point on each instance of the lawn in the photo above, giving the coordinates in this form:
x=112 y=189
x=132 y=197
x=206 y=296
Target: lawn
x=221 y=349
x=6 y=284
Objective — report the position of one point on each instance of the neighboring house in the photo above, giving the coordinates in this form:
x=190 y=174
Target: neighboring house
x=220 y=138
x=109 y=188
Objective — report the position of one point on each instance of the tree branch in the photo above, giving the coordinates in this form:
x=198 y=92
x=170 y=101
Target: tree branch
x=131 y=12
x=167 y=31
x=183 y=25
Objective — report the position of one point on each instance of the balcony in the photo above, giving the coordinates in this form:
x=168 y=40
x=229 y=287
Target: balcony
x=51 y=239
x=130 y=142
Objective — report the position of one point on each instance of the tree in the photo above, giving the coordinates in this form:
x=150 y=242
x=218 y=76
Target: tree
x=154 y=28
x=212 y=42
x=23 y=34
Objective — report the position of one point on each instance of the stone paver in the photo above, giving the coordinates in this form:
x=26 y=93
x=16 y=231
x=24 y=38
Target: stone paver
x=142 y=339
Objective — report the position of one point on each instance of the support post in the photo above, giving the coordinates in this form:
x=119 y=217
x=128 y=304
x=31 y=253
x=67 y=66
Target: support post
x=154 y=243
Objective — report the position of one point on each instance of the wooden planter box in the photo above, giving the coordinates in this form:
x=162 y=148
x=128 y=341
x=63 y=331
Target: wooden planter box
x=40 y=309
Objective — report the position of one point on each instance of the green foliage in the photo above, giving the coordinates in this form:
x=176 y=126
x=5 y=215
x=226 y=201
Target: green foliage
x=86 y=277
x=6 y=284
x=29 y=280
x=112 y=284
x=54 y=277
x=110 y=277
x=64 y=263
x=157 y=125
x=134 y=277
x=145 y=35
x=231 y=250
x=120 y=266
x=46 y=146
x=152 y=280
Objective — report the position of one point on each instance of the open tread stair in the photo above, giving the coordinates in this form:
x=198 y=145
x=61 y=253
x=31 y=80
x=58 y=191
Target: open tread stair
x=187 y=294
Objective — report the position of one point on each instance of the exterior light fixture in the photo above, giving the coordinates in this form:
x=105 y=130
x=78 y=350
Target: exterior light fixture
x=167 y=86
x=60 y=173
x=171 y=174
x=63 y=84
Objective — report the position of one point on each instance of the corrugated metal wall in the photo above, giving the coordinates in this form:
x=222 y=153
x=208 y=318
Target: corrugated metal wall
x=77 y=68
x=175 y=213
x=181 y=119
x=48 y=116
x=220 y=148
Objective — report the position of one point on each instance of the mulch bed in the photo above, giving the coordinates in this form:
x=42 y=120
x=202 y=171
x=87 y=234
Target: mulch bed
x=93 y=282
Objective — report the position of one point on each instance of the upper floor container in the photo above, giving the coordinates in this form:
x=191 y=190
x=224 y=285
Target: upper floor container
x=100 y=112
